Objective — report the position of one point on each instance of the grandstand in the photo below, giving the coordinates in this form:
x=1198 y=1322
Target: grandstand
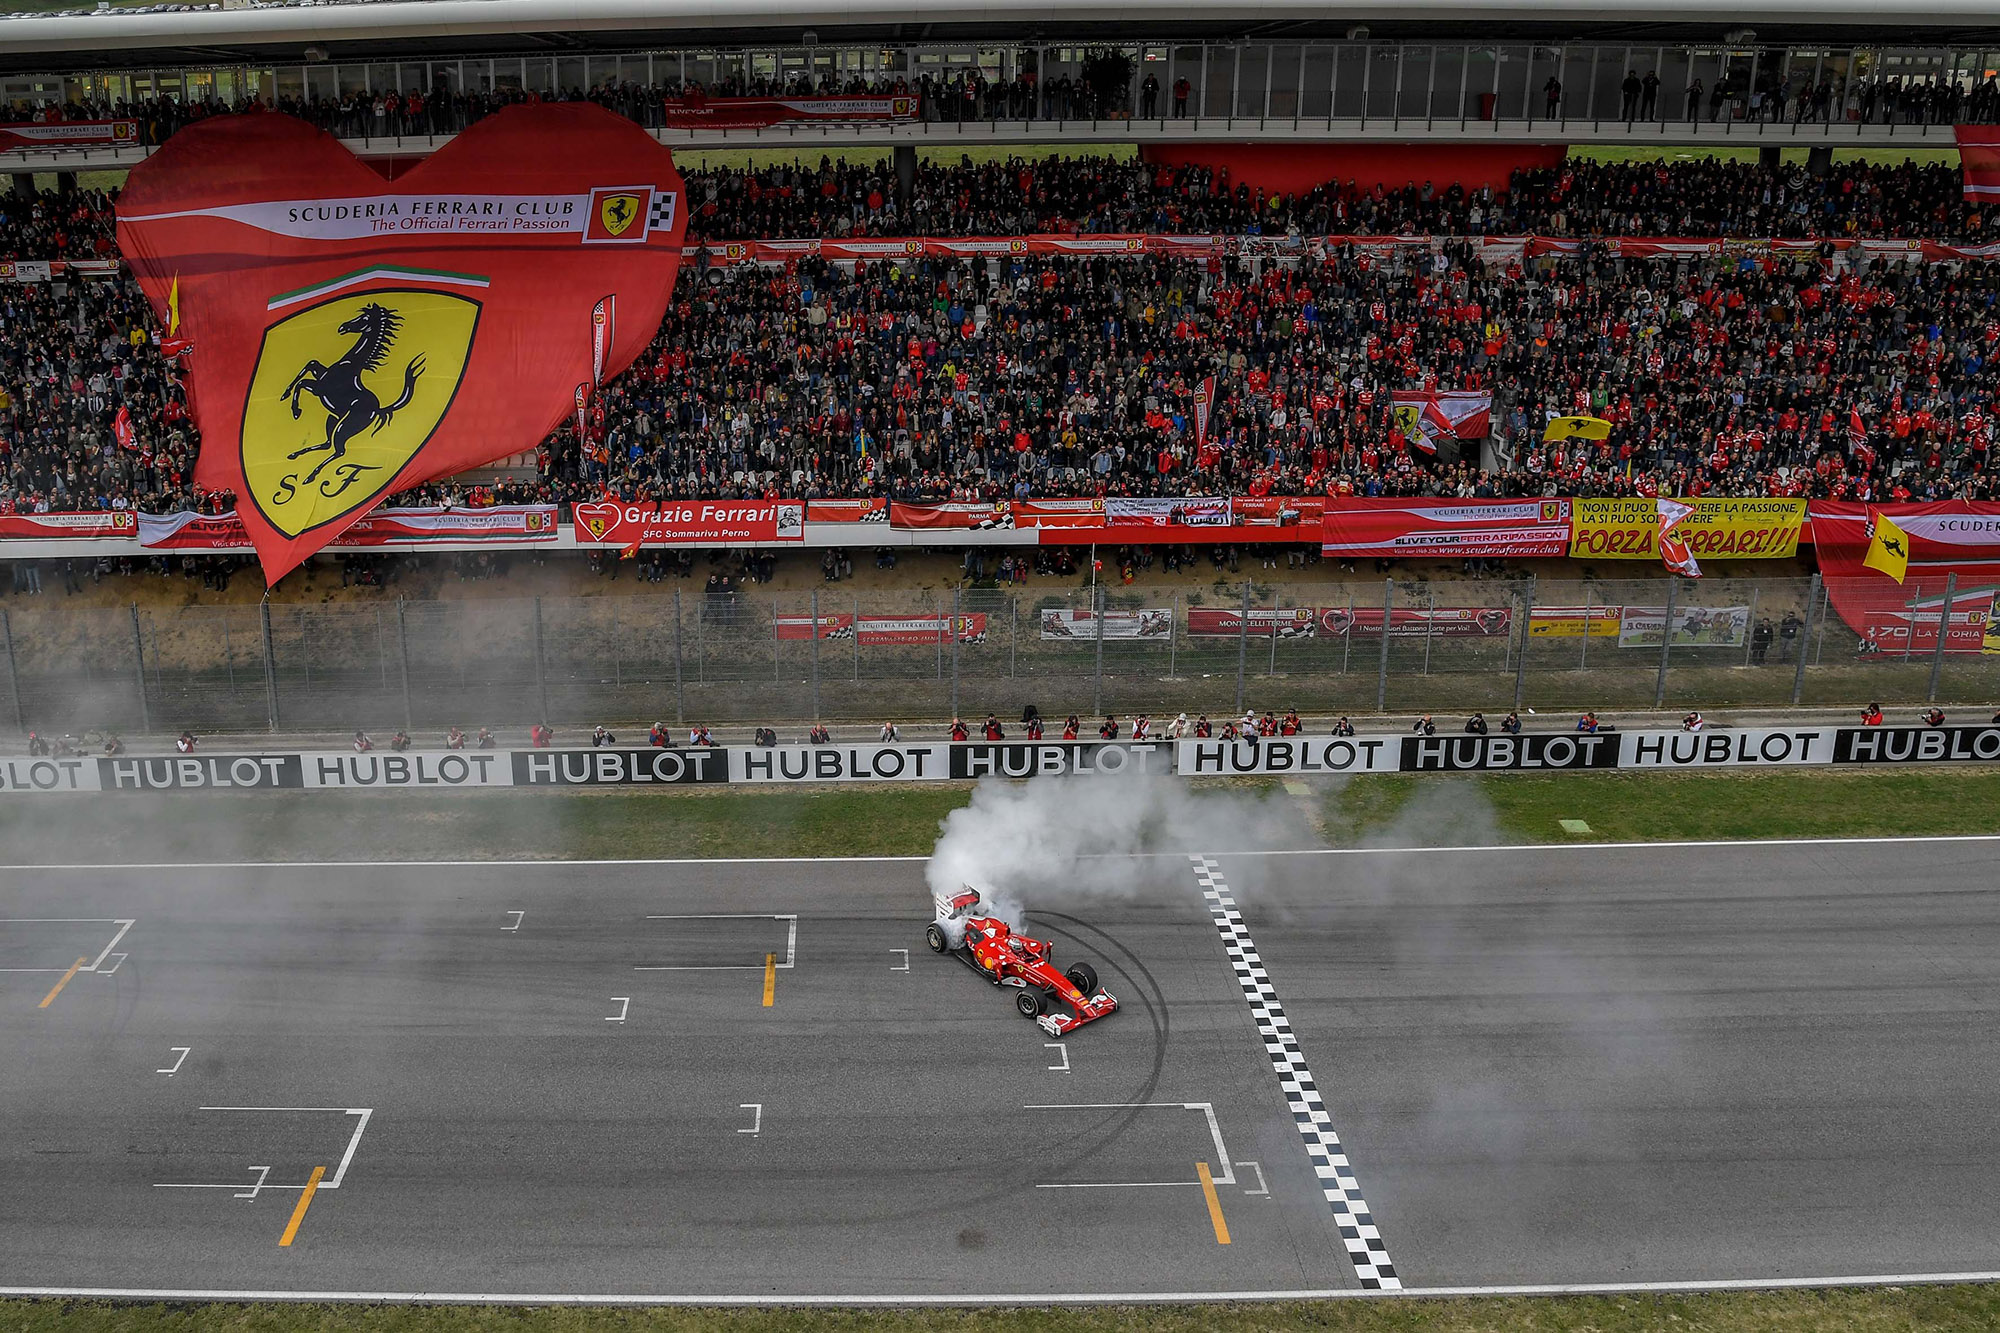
x=1071 y=262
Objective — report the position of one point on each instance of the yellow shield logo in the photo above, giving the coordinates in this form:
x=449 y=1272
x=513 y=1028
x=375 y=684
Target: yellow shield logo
x=345 y=393
x=617 y=212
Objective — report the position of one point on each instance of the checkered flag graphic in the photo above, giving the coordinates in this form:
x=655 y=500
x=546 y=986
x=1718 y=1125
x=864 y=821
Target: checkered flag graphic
x=1356 y=1224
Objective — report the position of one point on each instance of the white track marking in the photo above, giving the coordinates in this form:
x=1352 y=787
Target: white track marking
x=791 y=940
x=330 y=1183
x=123 y=923
x=519 y=917
x=1014 y=1298
x=263 y=1174
x=903 y=966
x=757 y=1117
x=1262 y=1187
x=545 y=863
x=176 y=1066
x=117 y=961
x=1351 y=1216
x=1059 y=1047
x=624 y=1007
x=1224 y=1175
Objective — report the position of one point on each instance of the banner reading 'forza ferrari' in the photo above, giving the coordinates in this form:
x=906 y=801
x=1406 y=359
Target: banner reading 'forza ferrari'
x=350 y=337
x=1746 y=529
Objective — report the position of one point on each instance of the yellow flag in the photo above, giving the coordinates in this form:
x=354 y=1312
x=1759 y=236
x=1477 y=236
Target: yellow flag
x=1577 y=428
x=1888 y=548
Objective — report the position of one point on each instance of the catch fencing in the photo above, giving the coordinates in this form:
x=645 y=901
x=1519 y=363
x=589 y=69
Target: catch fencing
x=675 y=653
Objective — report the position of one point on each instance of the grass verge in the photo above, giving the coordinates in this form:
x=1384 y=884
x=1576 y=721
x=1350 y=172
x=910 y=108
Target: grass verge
x=1410 y=808
x=902 y=820
x=1876 y=1310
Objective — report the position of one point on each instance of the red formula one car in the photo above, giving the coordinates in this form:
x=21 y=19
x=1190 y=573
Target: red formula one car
x=1059 y=1001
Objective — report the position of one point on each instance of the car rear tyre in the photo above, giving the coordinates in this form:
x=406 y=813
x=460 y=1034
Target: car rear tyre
x=1083 y=976
x=934 y=937
x=1029 y=1002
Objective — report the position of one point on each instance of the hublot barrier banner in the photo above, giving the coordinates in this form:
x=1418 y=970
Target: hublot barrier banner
x=944 y=761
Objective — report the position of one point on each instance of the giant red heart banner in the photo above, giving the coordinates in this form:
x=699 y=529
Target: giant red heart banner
x=351 y=337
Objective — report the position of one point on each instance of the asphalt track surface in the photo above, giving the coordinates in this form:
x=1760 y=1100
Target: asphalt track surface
x=1615 y=1065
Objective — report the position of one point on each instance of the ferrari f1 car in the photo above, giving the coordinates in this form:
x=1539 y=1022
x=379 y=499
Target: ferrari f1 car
x=1060 y=1001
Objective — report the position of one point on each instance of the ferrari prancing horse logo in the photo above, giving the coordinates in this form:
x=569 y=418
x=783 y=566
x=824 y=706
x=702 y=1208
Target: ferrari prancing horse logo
x=344 y=394
x=617 y=212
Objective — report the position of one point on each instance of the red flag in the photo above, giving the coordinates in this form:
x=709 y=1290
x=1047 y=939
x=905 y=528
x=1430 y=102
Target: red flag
x=1674 y=551
x=121 y=430
x=1857 y=430
x=356 y=336
x=603 y=325
x=630 y=551
x=1204 y=404
x=1979 y=155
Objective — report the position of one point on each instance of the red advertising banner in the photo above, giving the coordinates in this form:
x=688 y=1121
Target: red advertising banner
x=1496 y=529
x=887 y=631
x=1946 y=532
x=1333 y=622
x=690 y=522
x=509 y=525
x=95 y=523
x=718 y=113
x=1280 y=511
x=354 y=336
x=847 y=511
x=954 y=515
x=1948 y=538
x=69 y=134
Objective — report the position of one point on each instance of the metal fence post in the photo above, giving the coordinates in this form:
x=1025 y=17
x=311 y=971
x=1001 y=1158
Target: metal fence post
x=139 y=661
x=1943 y=632
x=541 y=671
x=776 y=655
x=956 y=604
x=1173 y=637
x=1013 y=635
x=680 y=700
x=1382 y=671
x=855 y=638
x=1242 y=644
x=270 y=665
x=1527 y=625
x=815 y=652
x=1750 y=626
x=403 y=657
x=1805 y=633
x=1666 y=642
x=1097 y=631
x=13 y=672
x=1583 y=653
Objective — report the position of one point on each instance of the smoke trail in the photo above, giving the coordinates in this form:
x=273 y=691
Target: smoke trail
x=1084 y=838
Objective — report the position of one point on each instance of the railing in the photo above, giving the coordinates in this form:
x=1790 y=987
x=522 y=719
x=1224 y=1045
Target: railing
x=1406 y=83
x=674 y=653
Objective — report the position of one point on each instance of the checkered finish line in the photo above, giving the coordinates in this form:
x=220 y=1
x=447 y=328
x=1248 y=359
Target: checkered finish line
x=1358 y=1232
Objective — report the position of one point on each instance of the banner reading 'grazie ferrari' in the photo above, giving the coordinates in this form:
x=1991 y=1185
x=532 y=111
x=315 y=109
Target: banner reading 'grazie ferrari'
x=348 y=337
x=1629 y=529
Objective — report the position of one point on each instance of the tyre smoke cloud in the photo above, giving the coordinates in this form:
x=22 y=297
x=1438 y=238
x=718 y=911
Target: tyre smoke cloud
x=1086 y=838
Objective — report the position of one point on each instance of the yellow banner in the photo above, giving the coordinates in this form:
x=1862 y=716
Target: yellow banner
x=1741 y=529
x=1574 y=622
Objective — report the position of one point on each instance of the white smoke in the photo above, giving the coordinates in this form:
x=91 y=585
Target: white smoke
x=1082 y=838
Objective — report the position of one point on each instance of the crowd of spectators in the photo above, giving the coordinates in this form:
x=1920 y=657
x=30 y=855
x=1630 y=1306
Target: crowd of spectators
x=937 y=379
x=934 y=378
x=841 y=198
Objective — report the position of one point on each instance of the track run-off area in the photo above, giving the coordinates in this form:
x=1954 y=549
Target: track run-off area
x=1614 y=1066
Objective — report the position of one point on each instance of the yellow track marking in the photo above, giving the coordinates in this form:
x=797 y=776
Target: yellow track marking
x=47 y=999
x=305 y=1201
x=770 y=979
x=1214 y=1204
